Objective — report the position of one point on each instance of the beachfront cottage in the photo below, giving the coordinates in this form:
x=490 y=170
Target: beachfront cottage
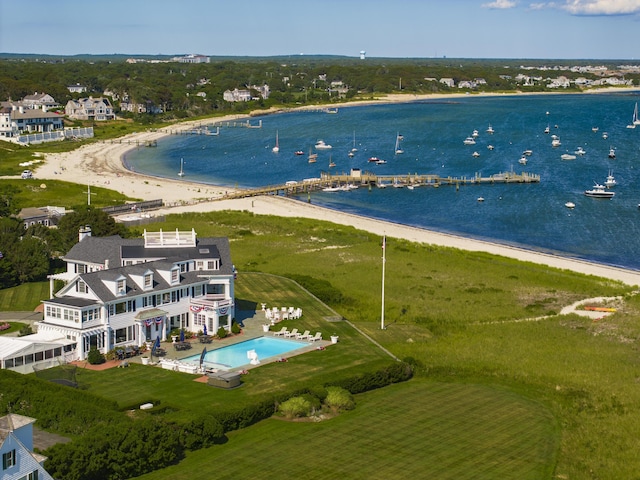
x=98 y=109
x=127 y=292
x=16 y=447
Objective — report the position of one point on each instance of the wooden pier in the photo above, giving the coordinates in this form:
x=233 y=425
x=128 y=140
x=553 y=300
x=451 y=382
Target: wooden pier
x=358 y=179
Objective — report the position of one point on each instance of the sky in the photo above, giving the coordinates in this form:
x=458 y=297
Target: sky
x=562 y=29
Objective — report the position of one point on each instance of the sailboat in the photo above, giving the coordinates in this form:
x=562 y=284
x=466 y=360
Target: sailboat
x=181 y=172
x=353 y=149
x=331 y=162
x=312 y=156
x=276 y=149
x=635 y=121
x=398 y=149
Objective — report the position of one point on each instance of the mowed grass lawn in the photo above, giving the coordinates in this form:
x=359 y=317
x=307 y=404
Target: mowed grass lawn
x=418 y=429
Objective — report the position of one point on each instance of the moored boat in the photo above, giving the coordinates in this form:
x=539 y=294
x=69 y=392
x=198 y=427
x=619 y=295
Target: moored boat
x=469 y=141
x=570 y=205
x=599 y=191
x=320 y=145
x=612 y=153
x=567 y=156
x=610 y=181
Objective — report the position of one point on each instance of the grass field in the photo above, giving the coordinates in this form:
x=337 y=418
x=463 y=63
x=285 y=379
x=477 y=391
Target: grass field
x=23 y=298
x=419 y=429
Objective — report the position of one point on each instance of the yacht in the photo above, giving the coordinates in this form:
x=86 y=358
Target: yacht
x=567 y=156
x=490 y=129
x=523 y=160
x=611 y=181
x=599 y=191
x=469 y=141
x=555 y=142
x=475 y=134
x=320 y=145
x=580 y=151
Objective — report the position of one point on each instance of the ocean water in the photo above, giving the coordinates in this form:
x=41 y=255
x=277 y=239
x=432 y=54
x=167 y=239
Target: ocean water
x=532 y=216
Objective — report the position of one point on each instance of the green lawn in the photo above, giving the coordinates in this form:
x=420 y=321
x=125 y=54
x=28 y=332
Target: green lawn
x=23 y=298
x=419 y=429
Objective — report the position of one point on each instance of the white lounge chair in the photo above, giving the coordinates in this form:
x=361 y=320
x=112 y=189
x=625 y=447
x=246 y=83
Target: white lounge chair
x=292 y=333
x=282 y=331
x=318 y=336
x=304 y=336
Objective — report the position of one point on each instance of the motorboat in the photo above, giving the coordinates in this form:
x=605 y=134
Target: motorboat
x=320 y=145
x=475 y=154
x=610 y=181
x=380 y=162
x=299 y=152
x=570 y=205
x=523 y=160
x=599 y=191
x=547 y=130
x=555 y=142
x=373 y=159
x=612 y=152
x=490 y=147
x=528 y=153
x=475 y=134
x=594 y=129
x=567 y=156
x=605 y=135
x=469 y=141
x=480 y=199
x=580 y=151
x=490 y=129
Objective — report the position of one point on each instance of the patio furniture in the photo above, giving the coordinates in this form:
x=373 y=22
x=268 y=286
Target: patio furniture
x=160 y=352
x=120 y=355
x=318 y=336
x=182 y=345
x=292 y=333
x=283 y=331
x=205 y=338
x=304 y=336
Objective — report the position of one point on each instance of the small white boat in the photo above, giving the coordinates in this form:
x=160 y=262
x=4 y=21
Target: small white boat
x=612 y=153
x=481 y=199
x=555 y=142
x=570 y=205
x=599 y=191
x=469 y=141
x=490 y=130
x=567 y=156
x=610 y=181
x=475 y=134
x=523 y=160
x=475 y=154
x=276 y=149
x=398 y=150
x=410 y=187
x=528 y=153
x=594 y=129
x=547 y=130
x=580 y=151
x=490 y=147
x=332 y=189
x=181 y=172
x=320 y=145
x=605 y=135
x=635 y=120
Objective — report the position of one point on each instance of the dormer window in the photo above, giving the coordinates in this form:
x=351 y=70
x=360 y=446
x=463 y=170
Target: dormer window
x=121 y=286
x=148 y=281
x=82 y=287
x=175 y=275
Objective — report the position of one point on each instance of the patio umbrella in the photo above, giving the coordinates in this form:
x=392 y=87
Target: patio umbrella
x=182 y=335
x=157 y=344
x=204 y=352
x=204 y=329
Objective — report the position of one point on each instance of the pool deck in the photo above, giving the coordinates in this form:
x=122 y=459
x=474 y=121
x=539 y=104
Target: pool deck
x=251 y=324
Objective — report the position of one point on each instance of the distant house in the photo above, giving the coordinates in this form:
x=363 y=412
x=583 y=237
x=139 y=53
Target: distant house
x=15 y=120
x=192 y=58
x=77 y=88
x=98 y=109
x=16 y=447
x=47 y=216
x=40 y=100
x=449 y=82
x=236 y=95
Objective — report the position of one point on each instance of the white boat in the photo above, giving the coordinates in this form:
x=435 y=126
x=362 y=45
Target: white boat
x=490 y=129
x=320 y=145
x=480 y=199
x=547 y=130
x=599 y=191
x=181 y=172
x=612 y=153
x=567 y=156
x=570 y=205
x=528 y=153
x=331 y=162
x=580 y=151
x=611 y=181
x=469 y=141
x=635 y=120
x=353 y=149
x=475 y=134
x=555 y=142
x=332 y=189
x=276 y=149
x=523 y=160
x=398 y=150
x=605 y=135
x=475 y=154
x=594 y=129
x=312 y=156
x=490 y=147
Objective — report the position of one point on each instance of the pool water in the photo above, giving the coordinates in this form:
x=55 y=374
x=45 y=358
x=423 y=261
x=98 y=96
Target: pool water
x=234 y=356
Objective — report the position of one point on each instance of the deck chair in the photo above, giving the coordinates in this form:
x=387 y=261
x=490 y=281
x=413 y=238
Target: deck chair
x=304 y=336
x=318 y=336
x=282 y=331
x=292 y=333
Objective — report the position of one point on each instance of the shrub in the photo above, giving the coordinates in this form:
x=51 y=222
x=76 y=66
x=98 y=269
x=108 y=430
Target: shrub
x=394 y=373
x=295 y=407
x=202 y=432
x=26 y=330
x=235 y=328
x=338 y=399
x=95 y=357
x=222 y=333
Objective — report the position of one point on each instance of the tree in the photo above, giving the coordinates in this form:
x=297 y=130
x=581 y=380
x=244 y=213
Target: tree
x=30 y=259
x=102 y=225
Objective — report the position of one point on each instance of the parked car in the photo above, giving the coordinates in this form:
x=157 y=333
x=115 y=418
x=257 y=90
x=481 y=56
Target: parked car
x=27 y=174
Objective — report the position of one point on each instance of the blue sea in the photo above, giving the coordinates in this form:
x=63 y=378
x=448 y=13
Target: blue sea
x=531 y=216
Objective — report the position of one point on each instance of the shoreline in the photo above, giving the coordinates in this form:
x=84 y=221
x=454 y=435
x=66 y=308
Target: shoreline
x=103 y=164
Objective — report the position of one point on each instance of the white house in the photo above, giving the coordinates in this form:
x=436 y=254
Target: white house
x=19 y=462
x=15 y=119
x=77 y=88
x=98 y=109
x=39 y=100
x=125 y=292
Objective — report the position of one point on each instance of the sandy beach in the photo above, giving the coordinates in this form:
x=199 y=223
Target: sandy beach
x=100 y=164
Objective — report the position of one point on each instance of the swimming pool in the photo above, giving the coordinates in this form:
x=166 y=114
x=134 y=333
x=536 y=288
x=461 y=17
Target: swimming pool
x=234 y=356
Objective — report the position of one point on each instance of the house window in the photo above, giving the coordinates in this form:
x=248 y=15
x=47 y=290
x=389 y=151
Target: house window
x=8 y=459
x=82 y=287
x=121 y=335
x=148 y=281
x=215 y=289
x=120 y=286
x=213 y=265
x=199 y=265
x=175 y=275
x=30 y=476
x=81 y=268
x=120 y=307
